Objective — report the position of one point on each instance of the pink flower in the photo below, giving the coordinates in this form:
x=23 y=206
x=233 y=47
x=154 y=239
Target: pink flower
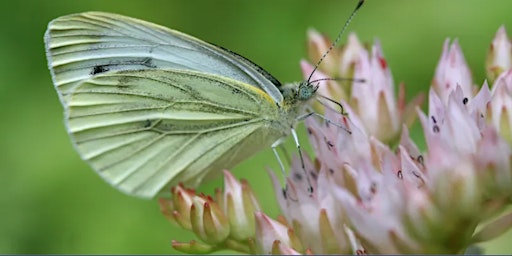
x=315 y=217
x=500 y=108
x=224 y=222
x=402 y=201
x=371 y=94
x=452 y=71
x=271 y=233
x=499 y=56
x=374 y=190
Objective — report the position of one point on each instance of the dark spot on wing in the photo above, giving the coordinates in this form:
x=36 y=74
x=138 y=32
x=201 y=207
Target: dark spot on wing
x=434 y=119
x=236 y=91
x=123 y=65
x=465 y=101
x=147 y=62
x=147 y=123
x=124 y=81
x=99 y=69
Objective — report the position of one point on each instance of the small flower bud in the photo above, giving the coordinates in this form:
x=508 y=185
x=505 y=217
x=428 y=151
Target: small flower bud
x=499 y=56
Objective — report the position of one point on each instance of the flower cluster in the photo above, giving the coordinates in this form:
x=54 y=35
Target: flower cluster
x=225 y=221
x=374 y=190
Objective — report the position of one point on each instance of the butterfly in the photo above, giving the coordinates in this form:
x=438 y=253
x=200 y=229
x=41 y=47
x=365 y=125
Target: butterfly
x=148 y=107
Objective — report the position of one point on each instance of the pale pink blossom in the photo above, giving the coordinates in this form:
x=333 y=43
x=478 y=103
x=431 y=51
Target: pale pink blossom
x=452 y=71
x=374 y=190
x=370 y=93
x=500 y=108
x=499 y=56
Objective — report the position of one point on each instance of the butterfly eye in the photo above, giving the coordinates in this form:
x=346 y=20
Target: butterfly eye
x=306 y=91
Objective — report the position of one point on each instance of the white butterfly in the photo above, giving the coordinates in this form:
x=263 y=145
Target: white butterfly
x=149 y=107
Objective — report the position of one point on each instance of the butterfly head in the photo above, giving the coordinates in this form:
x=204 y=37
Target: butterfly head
x=298 y=92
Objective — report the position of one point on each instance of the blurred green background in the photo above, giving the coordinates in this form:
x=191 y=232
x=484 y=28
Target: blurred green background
x=52 y=202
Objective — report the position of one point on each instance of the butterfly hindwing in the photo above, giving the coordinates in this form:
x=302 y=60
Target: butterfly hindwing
x=144 y=129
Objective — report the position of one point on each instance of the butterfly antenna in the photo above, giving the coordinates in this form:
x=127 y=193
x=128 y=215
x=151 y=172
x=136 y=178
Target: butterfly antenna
x=335 y=42
x=356 y=80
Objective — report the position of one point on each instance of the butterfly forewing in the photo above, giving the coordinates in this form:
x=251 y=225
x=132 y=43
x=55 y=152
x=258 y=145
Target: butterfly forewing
x=80 y=46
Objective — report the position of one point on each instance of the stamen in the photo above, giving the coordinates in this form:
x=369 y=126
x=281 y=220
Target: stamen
x=420 y=159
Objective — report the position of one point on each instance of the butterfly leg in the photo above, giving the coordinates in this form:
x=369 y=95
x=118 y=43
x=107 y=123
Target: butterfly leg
x=281 y=165
x=296 y=139
x=327 y=120
x=283 y=171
